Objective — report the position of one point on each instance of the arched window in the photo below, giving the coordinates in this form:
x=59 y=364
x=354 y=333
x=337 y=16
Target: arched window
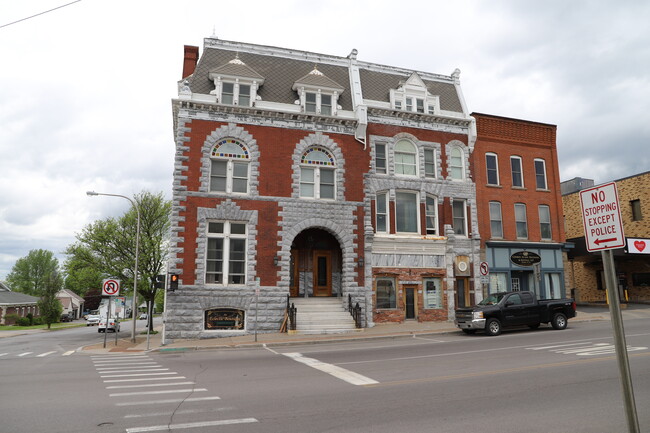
x=317 y=174
x=229 y=171
x=406 y=158
x=456 y=164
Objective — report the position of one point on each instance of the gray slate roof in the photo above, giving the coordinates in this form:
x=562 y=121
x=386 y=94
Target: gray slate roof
x=7 y=297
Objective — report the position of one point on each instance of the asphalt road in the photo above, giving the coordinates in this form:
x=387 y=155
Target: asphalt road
x=533 y=381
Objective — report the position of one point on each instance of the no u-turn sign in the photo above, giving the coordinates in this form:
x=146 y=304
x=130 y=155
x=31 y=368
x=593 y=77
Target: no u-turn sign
x=601 y=215
x=111 y=287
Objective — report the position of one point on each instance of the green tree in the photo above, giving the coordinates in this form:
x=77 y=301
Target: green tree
x=80 y=277
x=108 y=246
x=30 y=274
x=49 y=306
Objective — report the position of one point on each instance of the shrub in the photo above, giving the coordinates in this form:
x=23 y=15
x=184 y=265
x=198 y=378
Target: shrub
x=37 y=321
x=30 y=316
x=22 y=321
x=10 y=319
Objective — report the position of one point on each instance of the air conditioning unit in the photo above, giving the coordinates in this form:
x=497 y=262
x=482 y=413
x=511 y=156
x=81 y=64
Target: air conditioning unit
x=461 y=268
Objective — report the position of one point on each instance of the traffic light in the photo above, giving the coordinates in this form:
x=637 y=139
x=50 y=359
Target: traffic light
x=173 y=282
x=159 y=282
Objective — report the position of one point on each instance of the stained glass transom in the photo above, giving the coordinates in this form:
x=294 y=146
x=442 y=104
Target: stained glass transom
x=230 y=148
x=317 y=156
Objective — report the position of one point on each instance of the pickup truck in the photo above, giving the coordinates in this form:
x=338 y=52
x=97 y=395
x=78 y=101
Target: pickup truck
x=507 y=309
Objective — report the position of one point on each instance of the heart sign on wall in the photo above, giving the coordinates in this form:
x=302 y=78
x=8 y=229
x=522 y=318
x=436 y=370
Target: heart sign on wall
x=638 y=246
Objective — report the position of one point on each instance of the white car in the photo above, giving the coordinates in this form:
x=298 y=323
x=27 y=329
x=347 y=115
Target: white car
x=142 y=316
x=92 y=319
x=113 y=325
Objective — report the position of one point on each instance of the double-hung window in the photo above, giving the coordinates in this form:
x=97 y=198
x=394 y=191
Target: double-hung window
x=380 y=158
x=459 y=213
x=545 y=222
x=540 y=174
x=496 y=221
x=492 y=167
x=317 y=174
x=405 y=158
x=521 y=221
x=516 y=172
x=229 y=171
x=236 y=94
x=456 y=165
x=406 y=212
x=432 y=215
x=381 y=213
x=226 y=253
x=429 y=163
x=318 y=103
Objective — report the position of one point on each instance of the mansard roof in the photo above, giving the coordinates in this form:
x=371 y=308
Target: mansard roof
x=237 y=68
x=316 y=78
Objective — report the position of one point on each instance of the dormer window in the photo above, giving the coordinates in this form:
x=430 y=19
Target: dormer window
x=413 y=95
x=235 y=83
x=318 y=94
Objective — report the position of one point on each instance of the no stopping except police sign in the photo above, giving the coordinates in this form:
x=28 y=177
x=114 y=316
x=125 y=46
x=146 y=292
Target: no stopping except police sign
x=601 y=215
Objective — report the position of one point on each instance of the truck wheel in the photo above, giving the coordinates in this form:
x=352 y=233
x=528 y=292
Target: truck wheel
x=493 y=327
x=469 y=331
x=559 y=321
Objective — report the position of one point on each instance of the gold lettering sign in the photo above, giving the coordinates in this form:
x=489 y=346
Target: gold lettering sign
x=225 y=319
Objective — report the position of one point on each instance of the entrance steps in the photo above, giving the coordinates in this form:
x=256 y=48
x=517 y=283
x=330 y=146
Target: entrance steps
x=322 y=315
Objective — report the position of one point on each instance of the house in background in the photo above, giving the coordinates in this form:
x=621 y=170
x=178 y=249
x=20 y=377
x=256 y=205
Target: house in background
x=14 y=304
x=72 y=303
x=632 y=263
x=305 y=176
x=519 y=205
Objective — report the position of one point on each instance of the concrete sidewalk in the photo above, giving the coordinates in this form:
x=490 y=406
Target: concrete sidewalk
x=382 y=330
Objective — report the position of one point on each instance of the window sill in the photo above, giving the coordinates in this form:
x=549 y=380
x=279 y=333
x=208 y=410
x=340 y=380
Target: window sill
x=542 y=190
x=489 y=185
x=519 y=188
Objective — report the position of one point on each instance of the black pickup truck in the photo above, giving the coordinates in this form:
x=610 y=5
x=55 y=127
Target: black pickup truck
x=506 y=309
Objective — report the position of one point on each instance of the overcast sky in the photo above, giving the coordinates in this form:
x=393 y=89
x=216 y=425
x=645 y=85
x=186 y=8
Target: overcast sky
x=85 y=94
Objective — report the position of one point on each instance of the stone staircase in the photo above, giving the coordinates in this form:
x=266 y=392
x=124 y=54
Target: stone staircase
x=322 y=315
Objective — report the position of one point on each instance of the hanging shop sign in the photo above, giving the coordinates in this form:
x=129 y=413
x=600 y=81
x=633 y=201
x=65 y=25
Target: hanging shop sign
x=525 y=258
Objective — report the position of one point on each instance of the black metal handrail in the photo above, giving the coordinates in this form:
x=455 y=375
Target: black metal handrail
x=291 y=314
x=355 y=311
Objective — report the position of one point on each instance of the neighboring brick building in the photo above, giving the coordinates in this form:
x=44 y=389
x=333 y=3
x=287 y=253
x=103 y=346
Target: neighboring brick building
x=585 y=269
x=519 y=204
x=14 y=305
x=317 y=175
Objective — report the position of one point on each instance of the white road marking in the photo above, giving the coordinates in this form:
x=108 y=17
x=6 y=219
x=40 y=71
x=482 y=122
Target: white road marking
x=177 y=412
x=139 y=374
x=561 y=345
x=144 y=378
x=587 y=349
x=167 y=391
x=135 y=371
x=149 y=385
x=68 y=353
x=191 y=425
x=3 y=354
x=171 y=400
x=122 y=363
x=45 y=354
x=26 y=353
x=117 y=358
x=334 y=370
x=124 y=367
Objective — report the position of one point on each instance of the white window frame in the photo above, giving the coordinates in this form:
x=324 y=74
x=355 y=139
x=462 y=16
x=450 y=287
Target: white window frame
x=433 y=163
x=542 y=174
x=514 y=174
x=231 y=161
x=378 y=169
x=495 y=157
x=320 y=106
x=317 y=180
x=237 y=93
x=460 y=167
x=401 y=164
x=496 y=218
x=227 y=237
x=437 y=301
x=455 y=216
x=545 y=221
x=416 y=199
x=382 y=197
x=521 y=222
x=431 y=217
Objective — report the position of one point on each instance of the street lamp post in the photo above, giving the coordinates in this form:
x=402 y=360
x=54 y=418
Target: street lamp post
x=137 y=250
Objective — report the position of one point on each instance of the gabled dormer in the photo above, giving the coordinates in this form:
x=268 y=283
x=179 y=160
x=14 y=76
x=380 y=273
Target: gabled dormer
x=413 y=95
x=318 y=93
x=235 y=83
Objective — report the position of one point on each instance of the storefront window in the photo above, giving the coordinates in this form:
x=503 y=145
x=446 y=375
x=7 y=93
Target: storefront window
x=432 y=293
x=386 y=293
x=498 y=282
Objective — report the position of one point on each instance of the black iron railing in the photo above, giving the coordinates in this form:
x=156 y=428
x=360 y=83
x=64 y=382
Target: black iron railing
x=291 y=314
x=355 y=311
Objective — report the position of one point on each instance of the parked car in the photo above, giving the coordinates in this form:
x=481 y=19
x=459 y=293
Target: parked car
x=142 y=316
x=507 y=309
x=113 y=325
x=66 y=317
x=92 y=319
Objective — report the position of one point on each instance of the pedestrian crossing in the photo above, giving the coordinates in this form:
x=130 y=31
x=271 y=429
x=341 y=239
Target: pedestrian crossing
x=586 y=348
x=22 y=355
x=154 y=393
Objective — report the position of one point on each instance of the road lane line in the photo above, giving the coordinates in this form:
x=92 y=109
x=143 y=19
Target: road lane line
x=68 y=353
x=191 y=425
x=144 y=378
x=26 y=353
x=3 y=354
x=171 y=400
x=166 y=391
x=139 y=374
x=178 y=412
x=584 y=343
x=333 y=370
x=45 y=354
x=149 y=385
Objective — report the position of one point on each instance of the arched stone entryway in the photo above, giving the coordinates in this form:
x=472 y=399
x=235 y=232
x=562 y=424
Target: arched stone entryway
x=316 y=264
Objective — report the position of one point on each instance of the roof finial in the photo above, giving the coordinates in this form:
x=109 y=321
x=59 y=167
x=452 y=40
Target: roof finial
x=316 y=71
x=214 y=31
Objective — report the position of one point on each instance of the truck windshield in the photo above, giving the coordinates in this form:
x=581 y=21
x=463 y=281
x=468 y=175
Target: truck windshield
x=492 y=299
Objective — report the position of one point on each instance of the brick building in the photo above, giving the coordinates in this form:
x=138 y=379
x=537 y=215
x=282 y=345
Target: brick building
x=519 y=204
x=308 y=175
x=632 y=263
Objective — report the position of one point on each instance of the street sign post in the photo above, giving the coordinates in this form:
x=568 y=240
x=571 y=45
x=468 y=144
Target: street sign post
x=111 y=287
x=603 y=226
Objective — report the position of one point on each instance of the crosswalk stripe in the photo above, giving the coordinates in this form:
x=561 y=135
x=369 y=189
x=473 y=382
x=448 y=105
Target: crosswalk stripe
x=133 y=371
x=3 y=354
x=149 y=385
x=331 y=369
x=144 y=378
x=190 y=425
x=166 y=391
x=177 y=412
x=68 y=353
x=138 y=374
x=46 y=353
x=122 y=367
x=26 y=353
x=170 y=400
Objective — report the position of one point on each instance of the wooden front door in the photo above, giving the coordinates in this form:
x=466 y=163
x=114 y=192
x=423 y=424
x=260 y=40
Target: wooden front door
x=294 y=273
x=322 y=273
x=410 y=302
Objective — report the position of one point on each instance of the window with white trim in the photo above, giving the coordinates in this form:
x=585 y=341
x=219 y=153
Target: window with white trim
x=540 y=174
x=545 y=222
x=456 y=164
x=229 y=167
x=431 y=208
x=430 y=169
x=235 y=93
x=496 y=221
x=386 y=294
x=317 y=174
x=459 y=213
x=225 y=261
x=381 y=213
x=380 y=158
x=432 y=293
x=414 y=96
x=521 y=222
x=406 y=212
x=492 y=168
x=406 y=158
x=516 y=172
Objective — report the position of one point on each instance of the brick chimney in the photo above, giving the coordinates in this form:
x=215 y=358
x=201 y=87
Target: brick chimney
x=190 y=60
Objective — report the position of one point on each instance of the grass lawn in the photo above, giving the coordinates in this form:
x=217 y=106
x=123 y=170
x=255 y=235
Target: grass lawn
x=54 y=326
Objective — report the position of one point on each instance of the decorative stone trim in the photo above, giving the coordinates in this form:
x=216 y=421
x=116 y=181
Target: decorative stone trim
x=318 y=139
